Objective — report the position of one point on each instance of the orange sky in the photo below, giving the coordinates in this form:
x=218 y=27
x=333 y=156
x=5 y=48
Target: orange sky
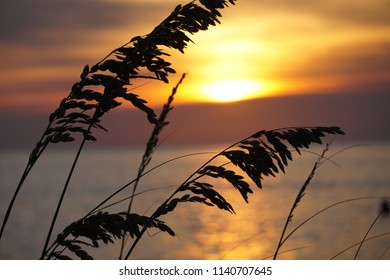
x=262 y=48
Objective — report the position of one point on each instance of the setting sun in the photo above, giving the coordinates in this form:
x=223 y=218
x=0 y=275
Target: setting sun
x=232 y=90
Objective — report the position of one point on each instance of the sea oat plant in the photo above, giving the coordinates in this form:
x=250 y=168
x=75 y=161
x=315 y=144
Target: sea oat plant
x=105 y=86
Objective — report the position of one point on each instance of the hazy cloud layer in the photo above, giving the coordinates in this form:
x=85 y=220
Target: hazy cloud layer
x=363 y=117
x=373 y=12
x=33 y=21
x=44 y=44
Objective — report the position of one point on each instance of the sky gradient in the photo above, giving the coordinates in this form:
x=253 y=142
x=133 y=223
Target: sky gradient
x=265 y=48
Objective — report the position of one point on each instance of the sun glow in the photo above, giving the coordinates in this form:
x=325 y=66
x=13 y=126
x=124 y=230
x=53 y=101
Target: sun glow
x=232 y=90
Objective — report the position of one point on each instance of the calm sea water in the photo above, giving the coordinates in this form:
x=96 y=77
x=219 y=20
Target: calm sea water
x=361 y=173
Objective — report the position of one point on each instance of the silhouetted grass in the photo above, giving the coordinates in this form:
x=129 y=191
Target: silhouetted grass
x=105 y=86
x=298 y=199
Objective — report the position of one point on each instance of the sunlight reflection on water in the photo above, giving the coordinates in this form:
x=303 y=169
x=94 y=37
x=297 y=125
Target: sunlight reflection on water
x=206 y=232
